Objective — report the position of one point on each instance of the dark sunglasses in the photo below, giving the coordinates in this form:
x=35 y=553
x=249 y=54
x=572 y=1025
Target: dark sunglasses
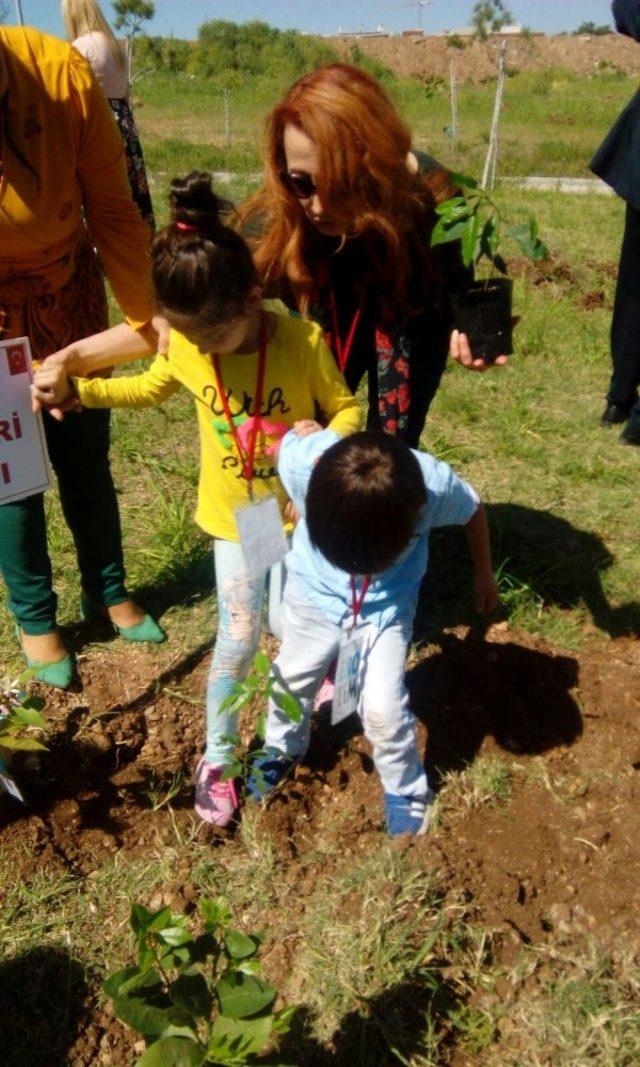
x=299 y=183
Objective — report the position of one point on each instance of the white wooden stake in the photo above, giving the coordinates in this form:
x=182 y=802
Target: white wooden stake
x=491 y=162
x=454 y=105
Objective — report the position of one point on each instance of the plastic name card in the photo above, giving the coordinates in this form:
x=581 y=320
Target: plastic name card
x=349 y=678
x=261 y=535
x=24 y=464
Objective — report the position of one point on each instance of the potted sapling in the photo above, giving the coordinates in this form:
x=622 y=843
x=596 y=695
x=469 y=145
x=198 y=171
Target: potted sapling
x=482 y=310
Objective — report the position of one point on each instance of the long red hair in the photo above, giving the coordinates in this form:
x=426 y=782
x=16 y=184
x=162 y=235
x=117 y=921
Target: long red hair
x=362 y=146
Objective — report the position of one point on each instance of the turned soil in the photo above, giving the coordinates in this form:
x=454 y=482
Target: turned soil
x=430 y=57
x=558 y=859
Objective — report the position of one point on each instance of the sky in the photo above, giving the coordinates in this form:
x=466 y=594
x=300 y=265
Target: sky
x=182 y=17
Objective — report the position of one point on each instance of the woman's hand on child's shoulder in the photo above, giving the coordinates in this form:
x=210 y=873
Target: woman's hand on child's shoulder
x=304 y=427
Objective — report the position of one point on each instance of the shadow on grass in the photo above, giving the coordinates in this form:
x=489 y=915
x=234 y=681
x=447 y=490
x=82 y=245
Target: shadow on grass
x=43 y=1000
x=391 y=1028
x=541 y=558
x=521 y=697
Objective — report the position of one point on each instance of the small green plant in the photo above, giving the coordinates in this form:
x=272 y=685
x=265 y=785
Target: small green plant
x=197 y=998
x=160 y=794
x=454 y=40
x=19 y=715
x=258 y=686
x=473 y=219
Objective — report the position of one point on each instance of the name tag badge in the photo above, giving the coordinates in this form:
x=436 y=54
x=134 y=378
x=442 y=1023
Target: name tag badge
x=261 y=535
x=349 y=678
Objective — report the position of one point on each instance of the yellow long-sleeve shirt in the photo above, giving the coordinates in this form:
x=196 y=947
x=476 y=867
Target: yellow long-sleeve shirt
x=62 y=124
x=300 y=375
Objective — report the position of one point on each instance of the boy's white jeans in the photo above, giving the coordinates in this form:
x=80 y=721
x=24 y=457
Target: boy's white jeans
x=310 y=643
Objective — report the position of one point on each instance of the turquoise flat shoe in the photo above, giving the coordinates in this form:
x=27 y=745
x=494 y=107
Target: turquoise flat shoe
x=59 y=674
x=147 y=630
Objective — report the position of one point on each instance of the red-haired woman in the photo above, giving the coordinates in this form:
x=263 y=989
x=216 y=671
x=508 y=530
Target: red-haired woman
x=346 y=213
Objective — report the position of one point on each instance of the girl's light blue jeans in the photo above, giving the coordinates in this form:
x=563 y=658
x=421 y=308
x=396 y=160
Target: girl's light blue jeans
x=310 y=643
x=240 y=599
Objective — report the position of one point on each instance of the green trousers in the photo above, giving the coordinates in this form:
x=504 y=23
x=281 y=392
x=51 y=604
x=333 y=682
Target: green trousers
x=79 y=454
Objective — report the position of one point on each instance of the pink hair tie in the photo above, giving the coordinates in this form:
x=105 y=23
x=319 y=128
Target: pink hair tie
x=186 y=226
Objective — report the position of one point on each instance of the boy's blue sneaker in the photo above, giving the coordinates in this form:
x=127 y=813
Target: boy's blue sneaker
x=268 y=769
x=408 y=815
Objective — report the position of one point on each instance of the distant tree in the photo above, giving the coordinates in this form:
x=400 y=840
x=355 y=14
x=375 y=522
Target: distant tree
x=593 y=30
x=130 y=14
x=489 y=16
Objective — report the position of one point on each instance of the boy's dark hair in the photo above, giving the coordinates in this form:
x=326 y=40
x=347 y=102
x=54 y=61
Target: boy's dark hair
x=200 y=266
x=363 y=500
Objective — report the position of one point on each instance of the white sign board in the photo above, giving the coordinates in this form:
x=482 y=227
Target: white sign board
x=24 y=465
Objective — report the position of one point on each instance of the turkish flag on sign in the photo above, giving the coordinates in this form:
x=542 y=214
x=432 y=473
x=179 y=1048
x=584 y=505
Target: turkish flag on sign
x=17 y=360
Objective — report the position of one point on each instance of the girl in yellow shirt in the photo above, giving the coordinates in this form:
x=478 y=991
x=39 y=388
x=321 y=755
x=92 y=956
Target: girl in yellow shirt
x=254 y=375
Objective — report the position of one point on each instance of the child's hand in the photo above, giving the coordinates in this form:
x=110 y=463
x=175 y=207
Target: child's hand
x=52 y=389
x=303 y=427
x=291 y=513
x=485 y=592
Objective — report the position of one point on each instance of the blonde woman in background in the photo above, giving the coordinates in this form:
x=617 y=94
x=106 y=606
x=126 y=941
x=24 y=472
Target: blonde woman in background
x=91 y=35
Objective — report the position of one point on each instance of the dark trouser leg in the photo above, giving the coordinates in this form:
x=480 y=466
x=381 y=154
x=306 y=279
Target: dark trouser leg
x=625 y=325
x=25 y=565
x=79 y=451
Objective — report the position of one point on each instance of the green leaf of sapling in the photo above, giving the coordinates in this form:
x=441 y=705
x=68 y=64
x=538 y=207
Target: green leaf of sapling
x=139 y=919
x=111 y=985
x=248 y=1036
x=215 y=912
x=145 y=1018
x=242 y=995
x=190 y=992
x=22 y=744
x=262 y=664
x=239 y=945
x=289 y=705
x=173 y=1052
x=469 y=240
x=462 y=181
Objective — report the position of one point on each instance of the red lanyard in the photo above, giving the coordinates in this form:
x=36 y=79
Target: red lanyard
x=343 y=348
x=357 y=599
x=247 y=457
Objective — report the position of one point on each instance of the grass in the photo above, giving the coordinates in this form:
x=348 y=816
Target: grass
x=485 y=781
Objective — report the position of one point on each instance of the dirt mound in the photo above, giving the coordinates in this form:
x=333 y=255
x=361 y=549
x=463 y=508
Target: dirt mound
x=430 y=57
x=543 y=849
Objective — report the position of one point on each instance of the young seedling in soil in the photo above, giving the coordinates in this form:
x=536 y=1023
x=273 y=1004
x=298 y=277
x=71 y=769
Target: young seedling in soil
x=19 y=716
x=197 y=998
x=257 y=687
x=483 y=310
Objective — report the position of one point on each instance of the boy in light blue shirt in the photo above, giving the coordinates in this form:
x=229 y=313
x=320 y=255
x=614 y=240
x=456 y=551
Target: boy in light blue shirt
x=367 y=504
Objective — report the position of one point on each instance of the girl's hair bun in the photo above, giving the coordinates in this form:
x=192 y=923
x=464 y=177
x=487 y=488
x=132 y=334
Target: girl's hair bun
x=193 y=201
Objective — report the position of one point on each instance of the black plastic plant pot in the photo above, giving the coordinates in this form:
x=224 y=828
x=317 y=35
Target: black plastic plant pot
x=483 y=312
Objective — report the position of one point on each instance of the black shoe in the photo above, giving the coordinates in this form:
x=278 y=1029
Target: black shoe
x=613 y=414
x=631 y=433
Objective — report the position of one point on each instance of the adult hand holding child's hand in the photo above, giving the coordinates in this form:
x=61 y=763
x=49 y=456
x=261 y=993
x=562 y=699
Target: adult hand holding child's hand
x=52 y=389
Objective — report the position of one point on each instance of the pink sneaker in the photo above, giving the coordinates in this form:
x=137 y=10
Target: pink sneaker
x=325 y=693
x=216 y=801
